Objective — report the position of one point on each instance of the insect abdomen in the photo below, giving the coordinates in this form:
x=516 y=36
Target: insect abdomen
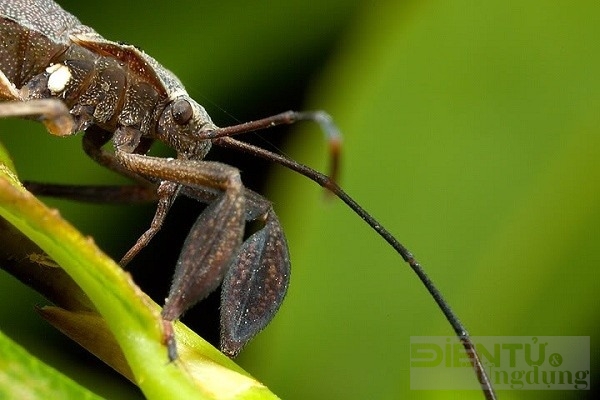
x=24 y=53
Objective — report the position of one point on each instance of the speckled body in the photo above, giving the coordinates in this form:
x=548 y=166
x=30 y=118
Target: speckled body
x=111 y=85
x=115 y=92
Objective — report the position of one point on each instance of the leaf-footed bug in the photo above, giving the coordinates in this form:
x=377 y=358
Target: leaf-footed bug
x=65 y=74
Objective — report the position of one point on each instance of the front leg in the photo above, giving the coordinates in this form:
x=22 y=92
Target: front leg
x=52 y=112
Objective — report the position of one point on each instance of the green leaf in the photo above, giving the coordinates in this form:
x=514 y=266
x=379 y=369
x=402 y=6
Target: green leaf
x=22 y=376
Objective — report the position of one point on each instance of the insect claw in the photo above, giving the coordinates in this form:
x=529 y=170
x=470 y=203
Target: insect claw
x=254 y=286
x=169 y=340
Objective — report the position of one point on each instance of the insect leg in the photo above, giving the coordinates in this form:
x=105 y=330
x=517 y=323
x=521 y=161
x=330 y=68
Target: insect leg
x=105 y=194
x=166 y=192
x=255 y=285
x=92 y=142
x=213 y=239
x=8 y=91
x=134 y=194
x=257 y=276
x=52 y=112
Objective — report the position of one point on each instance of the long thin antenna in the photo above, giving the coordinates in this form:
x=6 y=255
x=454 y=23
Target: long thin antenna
x=329 y=184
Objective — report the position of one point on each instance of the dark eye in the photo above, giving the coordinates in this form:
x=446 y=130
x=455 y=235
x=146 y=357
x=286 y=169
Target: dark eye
x=182 y=111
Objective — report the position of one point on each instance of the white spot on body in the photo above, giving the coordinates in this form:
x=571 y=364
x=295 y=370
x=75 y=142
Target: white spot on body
x=52 y=68
x=60 y=75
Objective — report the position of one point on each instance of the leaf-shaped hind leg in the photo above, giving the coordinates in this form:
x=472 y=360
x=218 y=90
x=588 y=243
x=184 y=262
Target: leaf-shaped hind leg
x=204 y=258
x=213 y=239
x=206 y=253
x=254 y=286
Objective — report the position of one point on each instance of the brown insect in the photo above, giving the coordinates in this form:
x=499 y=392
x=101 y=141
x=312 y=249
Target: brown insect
x=63 y=73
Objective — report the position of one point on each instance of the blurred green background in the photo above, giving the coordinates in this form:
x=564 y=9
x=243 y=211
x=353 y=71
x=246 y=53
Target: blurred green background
x=471 y=132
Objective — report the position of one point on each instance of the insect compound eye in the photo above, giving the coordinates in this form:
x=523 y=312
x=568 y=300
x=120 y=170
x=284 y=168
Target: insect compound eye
x=182 y=111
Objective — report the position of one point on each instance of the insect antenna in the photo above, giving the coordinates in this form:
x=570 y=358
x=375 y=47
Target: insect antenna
x=332 y=133
x=223 y=139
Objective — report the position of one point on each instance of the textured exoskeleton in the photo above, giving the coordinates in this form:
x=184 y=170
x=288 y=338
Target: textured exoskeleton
x=115 y=92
